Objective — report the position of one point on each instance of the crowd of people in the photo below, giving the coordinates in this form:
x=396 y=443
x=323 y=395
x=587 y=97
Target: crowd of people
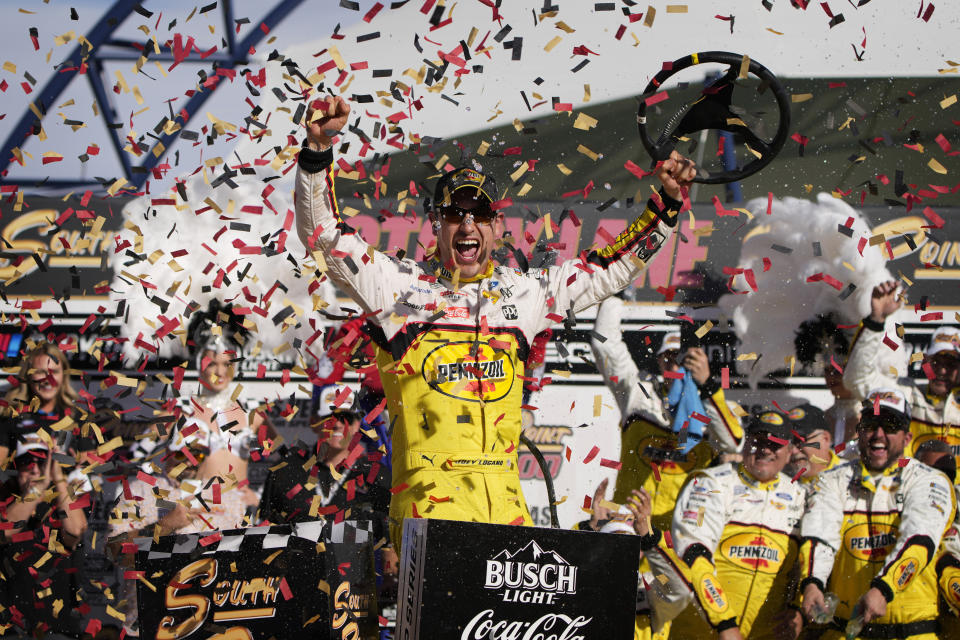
x=787 y=523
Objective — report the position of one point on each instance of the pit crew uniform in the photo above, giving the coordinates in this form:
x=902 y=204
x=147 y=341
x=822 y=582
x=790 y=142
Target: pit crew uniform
x=650 y=454
x=948 y=577
x=451 y=349
x=882 y=530
x=738 y=537
x=931 y=417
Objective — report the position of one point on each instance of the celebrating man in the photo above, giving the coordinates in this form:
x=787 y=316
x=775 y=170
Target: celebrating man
x=735 y=529
x=935 y=410
x=871 y=532
x=452 y=332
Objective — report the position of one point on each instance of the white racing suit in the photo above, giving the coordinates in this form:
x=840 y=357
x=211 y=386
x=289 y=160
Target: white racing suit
x=882 y=530
x=738 y=539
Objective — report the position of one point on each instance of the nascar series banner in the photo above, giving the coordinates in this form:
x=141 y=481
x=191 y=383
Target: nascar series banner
x=313 y=579
x=480 y=582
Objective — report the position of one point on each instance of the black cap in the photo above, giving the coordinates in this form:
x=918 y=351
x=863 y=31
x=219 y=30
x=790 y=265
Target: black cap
x=807 y=418
x=462 y=178
x=772 y=423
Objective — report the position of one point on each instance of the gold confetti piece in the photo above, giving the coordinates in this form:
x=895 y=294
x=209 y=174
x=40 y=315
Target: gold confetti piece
x=117 y=184
x=744 y=68
x=9 y=66
x=337 y=58
x=522 y=169
x=676 y=8
x=554 y=42
x=746 y=356
x=584 y=122
x=586 y=93
x=704 y=328
x=524 y=190
x=917 y=356
x=936 y=166
x=110 y=446
x=560 y=372
x=779 y=33
x=700 y=513
x=563 y=169
x=649 y=17
x=597 y=402
x=801 y=97
x=948 y=102
x=587 y=152
x=483 y=148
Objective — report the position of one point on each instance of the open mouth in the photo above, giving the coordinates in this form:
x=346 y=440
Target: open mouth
x=877 y=447
x=467 y=250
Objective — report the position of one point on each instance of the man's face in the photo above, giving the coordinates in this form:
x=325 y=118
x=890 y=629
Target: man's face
x=218 y=372
x=337 y=431
x=46 y=376
x=812 y=453
x=946 y=372
x=882 y=440
x=667 y=361
x=764 y=458
x=30 y=474
x=468 y=232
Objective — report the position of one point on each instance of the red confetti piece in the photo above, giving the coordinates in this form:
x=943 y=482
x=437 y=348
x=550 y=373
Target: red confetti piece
x=210 y=539
x=285 y=589
x=400 y=487
x=673 y=375
x=610 y=464
x=668 y=539
x=798 y=474
x=725 y=378
x=890 y=343
x=512 y=447
x=593 y=454
x=80 y=503
x=934 y=219
x=779 y=441
x=517 y=521
x=656 y=98
x=902 y=462
x=656 y=471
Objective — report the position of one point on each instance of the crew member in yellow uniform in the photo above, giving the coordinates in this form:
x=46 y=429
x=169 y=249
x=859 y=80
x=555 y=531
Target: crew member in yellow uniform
x=812 y=445
x=651 y=456
x=736 y=530
x=872 y=529
x=452 y=332
x=935 y=407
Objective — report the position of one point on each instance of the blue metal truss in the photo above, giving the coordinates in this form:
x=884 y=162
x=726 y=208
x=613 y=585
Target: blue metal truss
x=106 y=49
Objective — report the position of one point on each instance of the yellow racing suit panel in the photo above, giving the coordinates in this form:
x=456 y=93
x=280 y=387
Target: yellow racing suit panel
x=738 y=537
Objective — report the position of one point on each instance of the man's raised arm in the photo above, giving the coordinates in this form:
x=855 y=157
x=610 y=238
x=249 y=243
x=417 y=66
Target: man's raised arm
x=580 y=283
x=355 y=267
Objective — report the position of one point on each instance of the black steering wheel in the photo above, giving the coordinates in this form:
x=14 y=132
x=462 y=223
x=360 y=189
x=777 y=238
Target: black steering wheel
x=712 y=111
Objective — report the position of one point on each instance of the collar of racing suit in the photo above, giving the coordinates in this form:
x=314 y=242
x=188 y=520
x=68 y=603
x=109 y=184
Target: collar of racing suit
x=867 y=478
x=748 y=478
x=442 y=272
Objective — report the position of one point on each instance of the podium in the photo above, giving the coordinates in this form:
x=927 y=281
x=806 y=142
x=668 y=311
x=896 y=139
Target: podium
x=312 y=579
x=481 y=581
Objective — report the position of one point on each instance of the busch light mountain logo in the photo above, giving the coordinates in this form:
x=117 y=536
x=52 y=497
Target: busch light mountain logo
x=531 y=575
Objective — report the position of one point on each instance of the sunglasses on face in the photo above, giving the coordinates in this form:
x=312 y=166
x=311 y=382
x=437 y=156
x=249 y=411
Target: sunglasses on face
x=870 y=424
x=762 y=440
x=453 y=214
